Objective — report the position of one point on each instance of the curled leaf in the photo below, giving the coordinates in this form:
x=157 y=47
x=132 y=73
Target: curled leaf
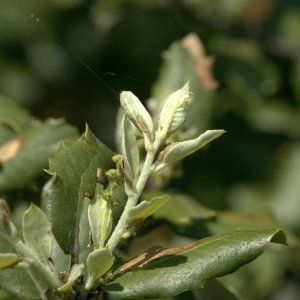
x=137 y=114
x=98 y=263
x=75 y=273
x=147 y=208
x=173 y=113
x=177 y=151
x=100 y=219
x=129 y=148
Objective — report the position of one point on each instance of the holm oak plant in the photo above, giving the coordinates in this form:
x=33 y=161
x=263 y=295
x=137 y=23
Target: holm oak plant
x=96 y=201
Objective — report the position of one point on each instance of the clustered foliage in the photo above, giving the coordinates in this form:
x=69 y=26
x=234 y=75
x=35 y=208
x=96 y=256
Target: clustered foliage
x=96 y=200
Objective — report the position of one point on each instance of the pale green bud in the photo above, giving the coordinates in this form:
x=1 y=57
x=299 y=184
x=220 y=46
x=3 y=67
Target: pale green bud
x=137 y=114
x=173 y=113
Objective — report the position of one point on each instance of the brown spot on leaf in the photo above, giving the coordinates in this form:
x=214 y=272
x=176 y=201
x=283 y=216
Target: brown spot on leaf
x=152 y=255
x=101 y=177
x=201 y=62
x=143 y=126
x=88 y=195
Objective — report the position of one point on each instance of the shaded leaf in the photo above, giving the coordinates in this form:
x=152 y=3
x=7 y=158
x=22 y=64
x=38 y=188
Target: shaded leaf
x=202 y=63
x=39 y=143
x=226 y=221
x=206 y=259
x=5 y=219
x=75 y=273
x=10 y=149
x=13 y=116
x=74 y=168
x=17 y=282
x=37 y=232
x=129 y=148
x=183 y=209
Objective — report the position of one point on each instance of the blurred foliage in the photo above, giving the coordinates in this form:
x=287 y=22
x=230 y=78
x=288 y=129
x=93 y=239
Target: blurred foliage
x=71 y=58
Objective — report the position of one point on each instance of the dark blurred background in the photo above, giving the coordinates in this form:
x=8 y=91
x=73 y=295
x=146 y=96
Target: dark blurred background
x=71 y=59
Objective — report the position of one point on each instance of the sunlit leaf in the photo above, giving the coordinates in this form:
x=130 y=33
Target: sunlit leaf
x=177 y=151
x=100 y=220
x=173 y=112
x=98 y=263
x=9 y=260
x=148 y=207
x=137 y=113
x=173 y=271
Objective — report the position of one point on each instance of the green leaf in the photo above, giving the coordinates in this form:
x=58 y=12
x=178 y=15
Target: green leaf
x=226 y=221
x=100 y=220
x=148 y=207
x=37 y=233
x=173 y=112
x=74 y=169
x=175 y=270
x=183 y=209
x=176 y=70
x=5 y=219
x=13 y=116
x=137 y=114
x=98 y=263
x=177 y=151
x=9 y=260
x=38 y=144
x=17 y=282
x=129 y=148
x=75 y=273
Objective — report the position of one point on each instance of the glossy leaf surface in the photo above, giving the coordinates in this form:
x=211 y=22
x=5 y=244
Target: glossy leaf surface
x=192 y=265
